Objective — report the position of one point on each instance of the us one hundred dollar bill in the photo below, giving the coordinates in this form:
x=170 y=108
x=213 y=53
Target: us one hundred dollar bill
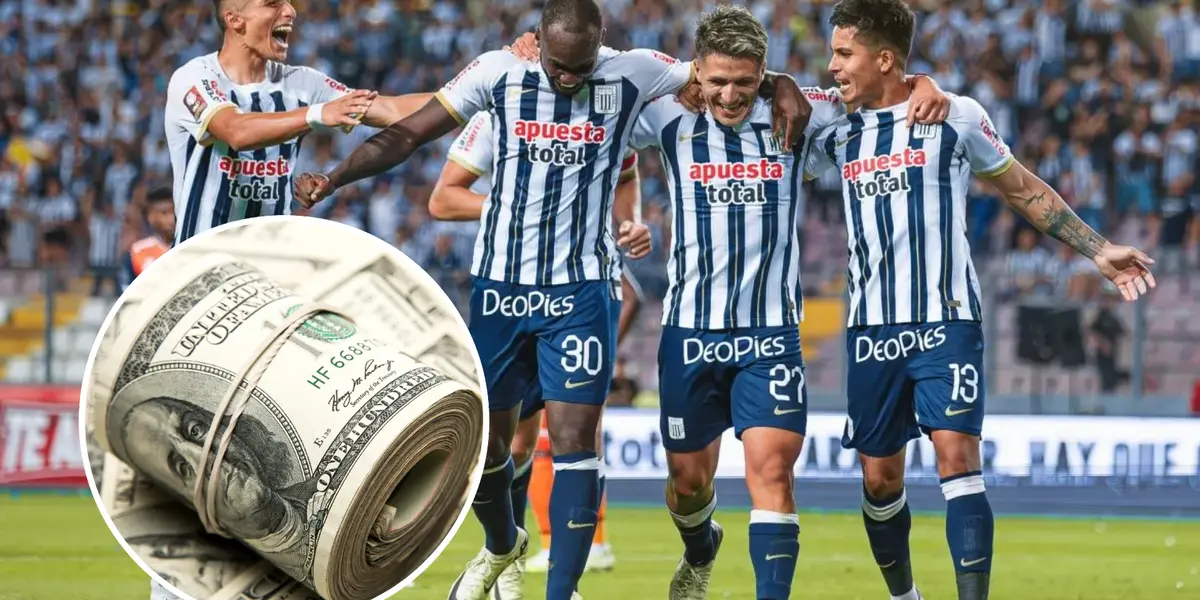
x=380 y=290
x=351 y=461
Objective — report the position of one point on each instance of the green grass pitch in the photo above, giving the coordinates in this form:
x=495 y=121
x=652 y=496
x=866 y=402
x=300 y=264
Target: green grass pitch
x=57 y=548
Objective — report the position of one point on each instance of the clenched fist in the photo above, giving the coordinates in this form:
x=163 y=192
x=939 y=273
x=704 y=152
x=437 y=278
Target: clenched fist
x=311 y=188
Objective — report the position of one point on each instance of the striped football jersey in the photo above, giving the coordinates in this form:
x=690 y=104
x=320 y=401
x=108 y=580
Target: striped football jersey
x=736 y=195
x=905 y=192
x=556 y=160
x=213 y=184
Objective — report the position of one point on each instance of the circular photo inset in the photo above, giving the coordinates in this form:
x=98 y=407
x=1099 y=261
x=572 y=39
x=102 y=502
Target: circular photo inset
x=284 y=405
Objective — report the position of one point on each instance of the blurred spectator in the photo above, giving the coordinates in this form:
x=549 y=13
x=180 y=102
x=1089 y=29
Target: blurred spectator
x=1029 y=269
x=104 y=230
x=1107 y=331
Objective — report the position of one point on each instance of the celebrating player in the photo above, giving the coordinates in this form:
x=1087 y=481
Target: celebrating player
x=235 y=164
x=545 y=265
x=915 y=344
x=459 y=195
x=730 y=351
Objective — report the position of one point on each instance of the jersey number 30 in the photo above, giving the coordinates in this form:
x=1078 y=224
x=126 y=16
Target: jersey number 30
x=582 y=354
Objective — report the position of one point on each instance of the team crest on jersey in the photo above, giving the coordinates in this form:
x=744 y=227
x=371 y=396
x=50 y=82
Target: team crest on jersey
x=774 y=145
x=925 y=131
x=195 y=102
x=606 y=99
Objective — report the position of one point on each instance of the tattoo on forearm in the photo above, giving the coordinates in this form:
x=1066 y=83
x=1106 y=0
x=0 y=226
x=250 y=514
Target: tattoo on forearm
x=1034 y=199
x=1063 y=224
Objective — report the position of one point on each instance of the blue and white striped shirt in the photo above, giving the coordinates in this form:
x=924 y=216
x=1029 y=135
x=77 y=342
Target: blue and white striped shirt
x=213 y=183
x=905 y=192
x=556 y=160
x=736 y=193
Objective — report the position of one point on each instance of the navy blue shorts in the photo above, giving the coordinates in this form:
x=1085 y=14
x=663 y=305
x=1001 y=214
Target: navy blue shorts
x=903 y=380
x=710 y=381
x=534 y=403
x=541 y=343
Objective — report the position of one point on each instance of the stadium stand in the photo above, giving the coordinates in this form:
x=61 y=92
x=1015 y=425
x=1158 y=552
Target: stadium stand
x=1102 y=96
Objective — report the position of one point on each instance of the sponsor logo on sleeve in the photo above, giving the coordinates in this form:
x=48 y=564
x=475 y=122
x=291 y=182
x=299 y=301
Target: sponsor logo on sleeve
x=670 y=60
x=989 y=131
x=337 y=85
x=463 y=73
x=214 y=90
x=194 y=102
x=815 y=95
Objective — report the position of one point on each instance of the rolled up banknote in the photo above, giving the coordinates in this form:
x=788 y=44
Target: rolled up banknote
x=351 y=269
x=349 y=463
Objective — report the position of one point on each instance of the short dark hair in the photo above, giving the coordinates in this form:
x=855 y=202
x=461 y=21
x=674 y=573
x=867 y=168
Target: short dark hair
x=160 y=193
x=219 y=15
x=731 y=30
x=572 y=15
x=878 y=23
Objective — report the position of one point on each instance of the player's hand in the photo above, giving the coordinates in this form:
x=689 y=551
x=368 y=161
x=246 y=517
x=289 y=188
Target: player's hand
x=348 y=110
x=525 y=47
x=691 y=98
x=635 y=239
x=1127 y=267
x=790 y=110
x=929 y=104
x=311 y=188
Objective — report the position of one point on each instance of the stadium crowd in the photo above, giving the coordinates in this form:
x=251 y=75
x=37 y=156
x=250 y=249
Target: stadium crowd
x=1103 y=96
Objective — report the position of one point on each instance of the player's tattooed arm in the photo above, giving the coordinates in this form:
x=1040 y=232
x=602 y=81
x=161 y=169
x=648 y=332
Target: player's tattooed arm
x=380 y=153
x=1033 y=199
x=1125 y=266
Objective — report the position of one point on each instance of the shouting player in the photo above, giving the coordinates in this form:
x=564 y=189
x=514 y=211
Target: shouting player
x=914 y=341
x=237 y=163
x=544 y=267
x=730 y=351
x=459 y=195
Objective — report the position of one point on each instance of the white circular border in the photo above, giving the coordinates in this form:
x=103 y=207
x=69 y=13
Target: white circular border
x=414 y=269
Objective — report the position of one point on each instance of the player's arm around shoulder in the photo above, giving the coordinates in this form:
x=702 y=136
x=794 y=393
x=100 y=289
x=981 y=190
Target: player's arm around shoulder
x=469 y=159
x=928 y=104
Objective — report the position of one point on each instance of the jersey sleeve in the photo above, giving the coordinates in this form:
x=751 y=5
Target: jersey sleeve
x=827 y=107
x=985 y=150
x=472 y=150
x=629 y=163
x=470 y=91
x=648 y=126
x=194 y=97
x=819 y=160
x=657 y=73
x=316 y=87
